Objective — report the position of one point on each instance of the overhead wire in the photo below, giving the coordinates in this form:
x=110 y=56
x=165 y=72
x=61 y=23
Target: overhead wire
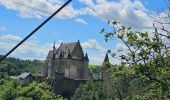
x=35 y=30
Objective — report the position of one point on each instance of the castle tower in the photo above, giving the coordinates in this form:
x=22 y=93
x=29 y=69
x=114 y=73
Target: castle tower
x=105 y=66
x=85 y=67
x=53 y=61
x=45 y=69
x=105 y=75
x=69 y=59
x=68 y=65
x=106 y=62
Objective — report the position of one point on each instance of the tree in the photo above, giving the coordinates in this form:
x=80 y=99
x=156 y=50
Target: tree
x=13 y=66
x=8 y=89
x=92 y=90
x=147 y=56
x=36 y=91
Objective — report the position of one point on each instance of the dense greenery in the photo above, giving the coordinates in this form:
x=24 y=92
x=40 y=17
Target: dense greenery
x=92 y=90
x=34 y=91
x=13 y=66
x=8 y=89
x=95 y=70
x=146 y=58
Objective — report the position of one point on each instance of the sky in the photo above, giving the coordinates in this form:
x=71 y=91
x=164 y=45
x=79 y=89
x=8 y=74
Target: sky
x=80 y=20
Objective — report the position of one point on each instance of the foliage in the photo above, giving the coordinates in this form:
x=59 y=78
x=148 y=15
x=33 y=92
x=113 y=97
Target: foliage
x=10 y=90
x=92 y=90
x=13 y=66
x=36 y=91
x=95 y=70
x=146 y=57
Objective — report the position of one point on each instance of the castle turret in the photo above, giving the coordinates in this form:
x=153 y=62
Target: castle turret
x=85 y=67
x=105 y=75
x=86 y=57
x=53 y=61
x=105 y=66
x=106 y=63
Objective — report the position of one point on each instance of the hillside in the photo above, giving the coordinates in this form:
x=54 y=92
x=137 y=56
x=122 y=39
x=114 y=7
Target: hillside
x=14 y=66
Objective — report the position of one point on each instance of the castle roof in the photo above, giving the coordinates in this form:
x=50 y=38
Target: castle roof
x=64 y=51
x=106 y=62
x=50 y=53
x=86 y=57
x=106 y=59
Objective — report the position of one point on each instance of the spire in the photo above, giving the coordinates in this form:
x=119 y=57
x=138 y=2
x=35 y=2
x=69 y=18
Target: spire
x=78 y=41
x=54 y=45
x=86 y=57
x=106 y=59
x=54 y=50
x=106 y=62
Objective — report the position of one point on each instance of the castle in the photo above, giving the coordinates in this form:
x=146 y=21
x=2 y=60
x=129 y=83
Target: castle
x=68 y=66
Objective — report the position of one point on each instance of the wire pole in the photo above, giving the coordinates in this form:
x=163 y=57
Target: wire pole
x=35 y=30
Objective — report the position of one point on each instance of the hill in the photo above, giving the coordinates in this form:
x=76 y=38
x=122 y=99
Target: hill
x=15 y=66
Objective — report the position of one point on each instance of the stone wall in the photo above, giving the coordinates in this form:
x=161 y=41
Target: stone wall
x=73 y=69
x=65 y=86
x=85 y=70
x=45 y=68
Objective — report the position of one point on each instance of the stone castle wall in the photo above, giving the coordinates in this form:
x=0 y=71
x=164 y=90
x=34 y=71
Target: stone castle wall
x=65 y=86
x=73 y=69
x=68 y=66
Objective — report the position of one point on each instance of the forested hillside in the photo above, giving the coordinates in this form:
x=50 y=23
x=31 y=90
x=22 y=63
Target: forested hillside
x=14 y=66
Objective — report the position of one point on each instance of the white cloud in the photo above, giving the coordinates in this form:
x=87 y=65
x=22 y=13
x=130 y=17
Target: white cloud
x=120 y=47
x=40 y=8
x=29 y=50
x=87 y=2
x=32 y=49
x=96 y=59
x=139 y=5
x=101 y=1
x=129 y=13
x=94 y=45
x=79 y=20
x=10 y=38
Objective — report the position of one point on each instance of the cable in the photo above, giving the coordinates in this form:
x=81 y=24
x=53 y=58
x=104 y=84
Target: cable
x=35 y=30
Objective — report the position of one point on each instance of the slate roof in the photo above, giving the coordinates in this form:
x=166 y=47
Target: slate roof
x=86 y=57
x=64 y=51
x=49 y=54
x=24 y=75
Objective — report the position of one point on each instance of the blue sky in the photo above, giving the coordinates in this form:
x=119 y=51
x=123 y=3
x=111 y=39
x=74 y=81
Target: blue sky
x=81 y=20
